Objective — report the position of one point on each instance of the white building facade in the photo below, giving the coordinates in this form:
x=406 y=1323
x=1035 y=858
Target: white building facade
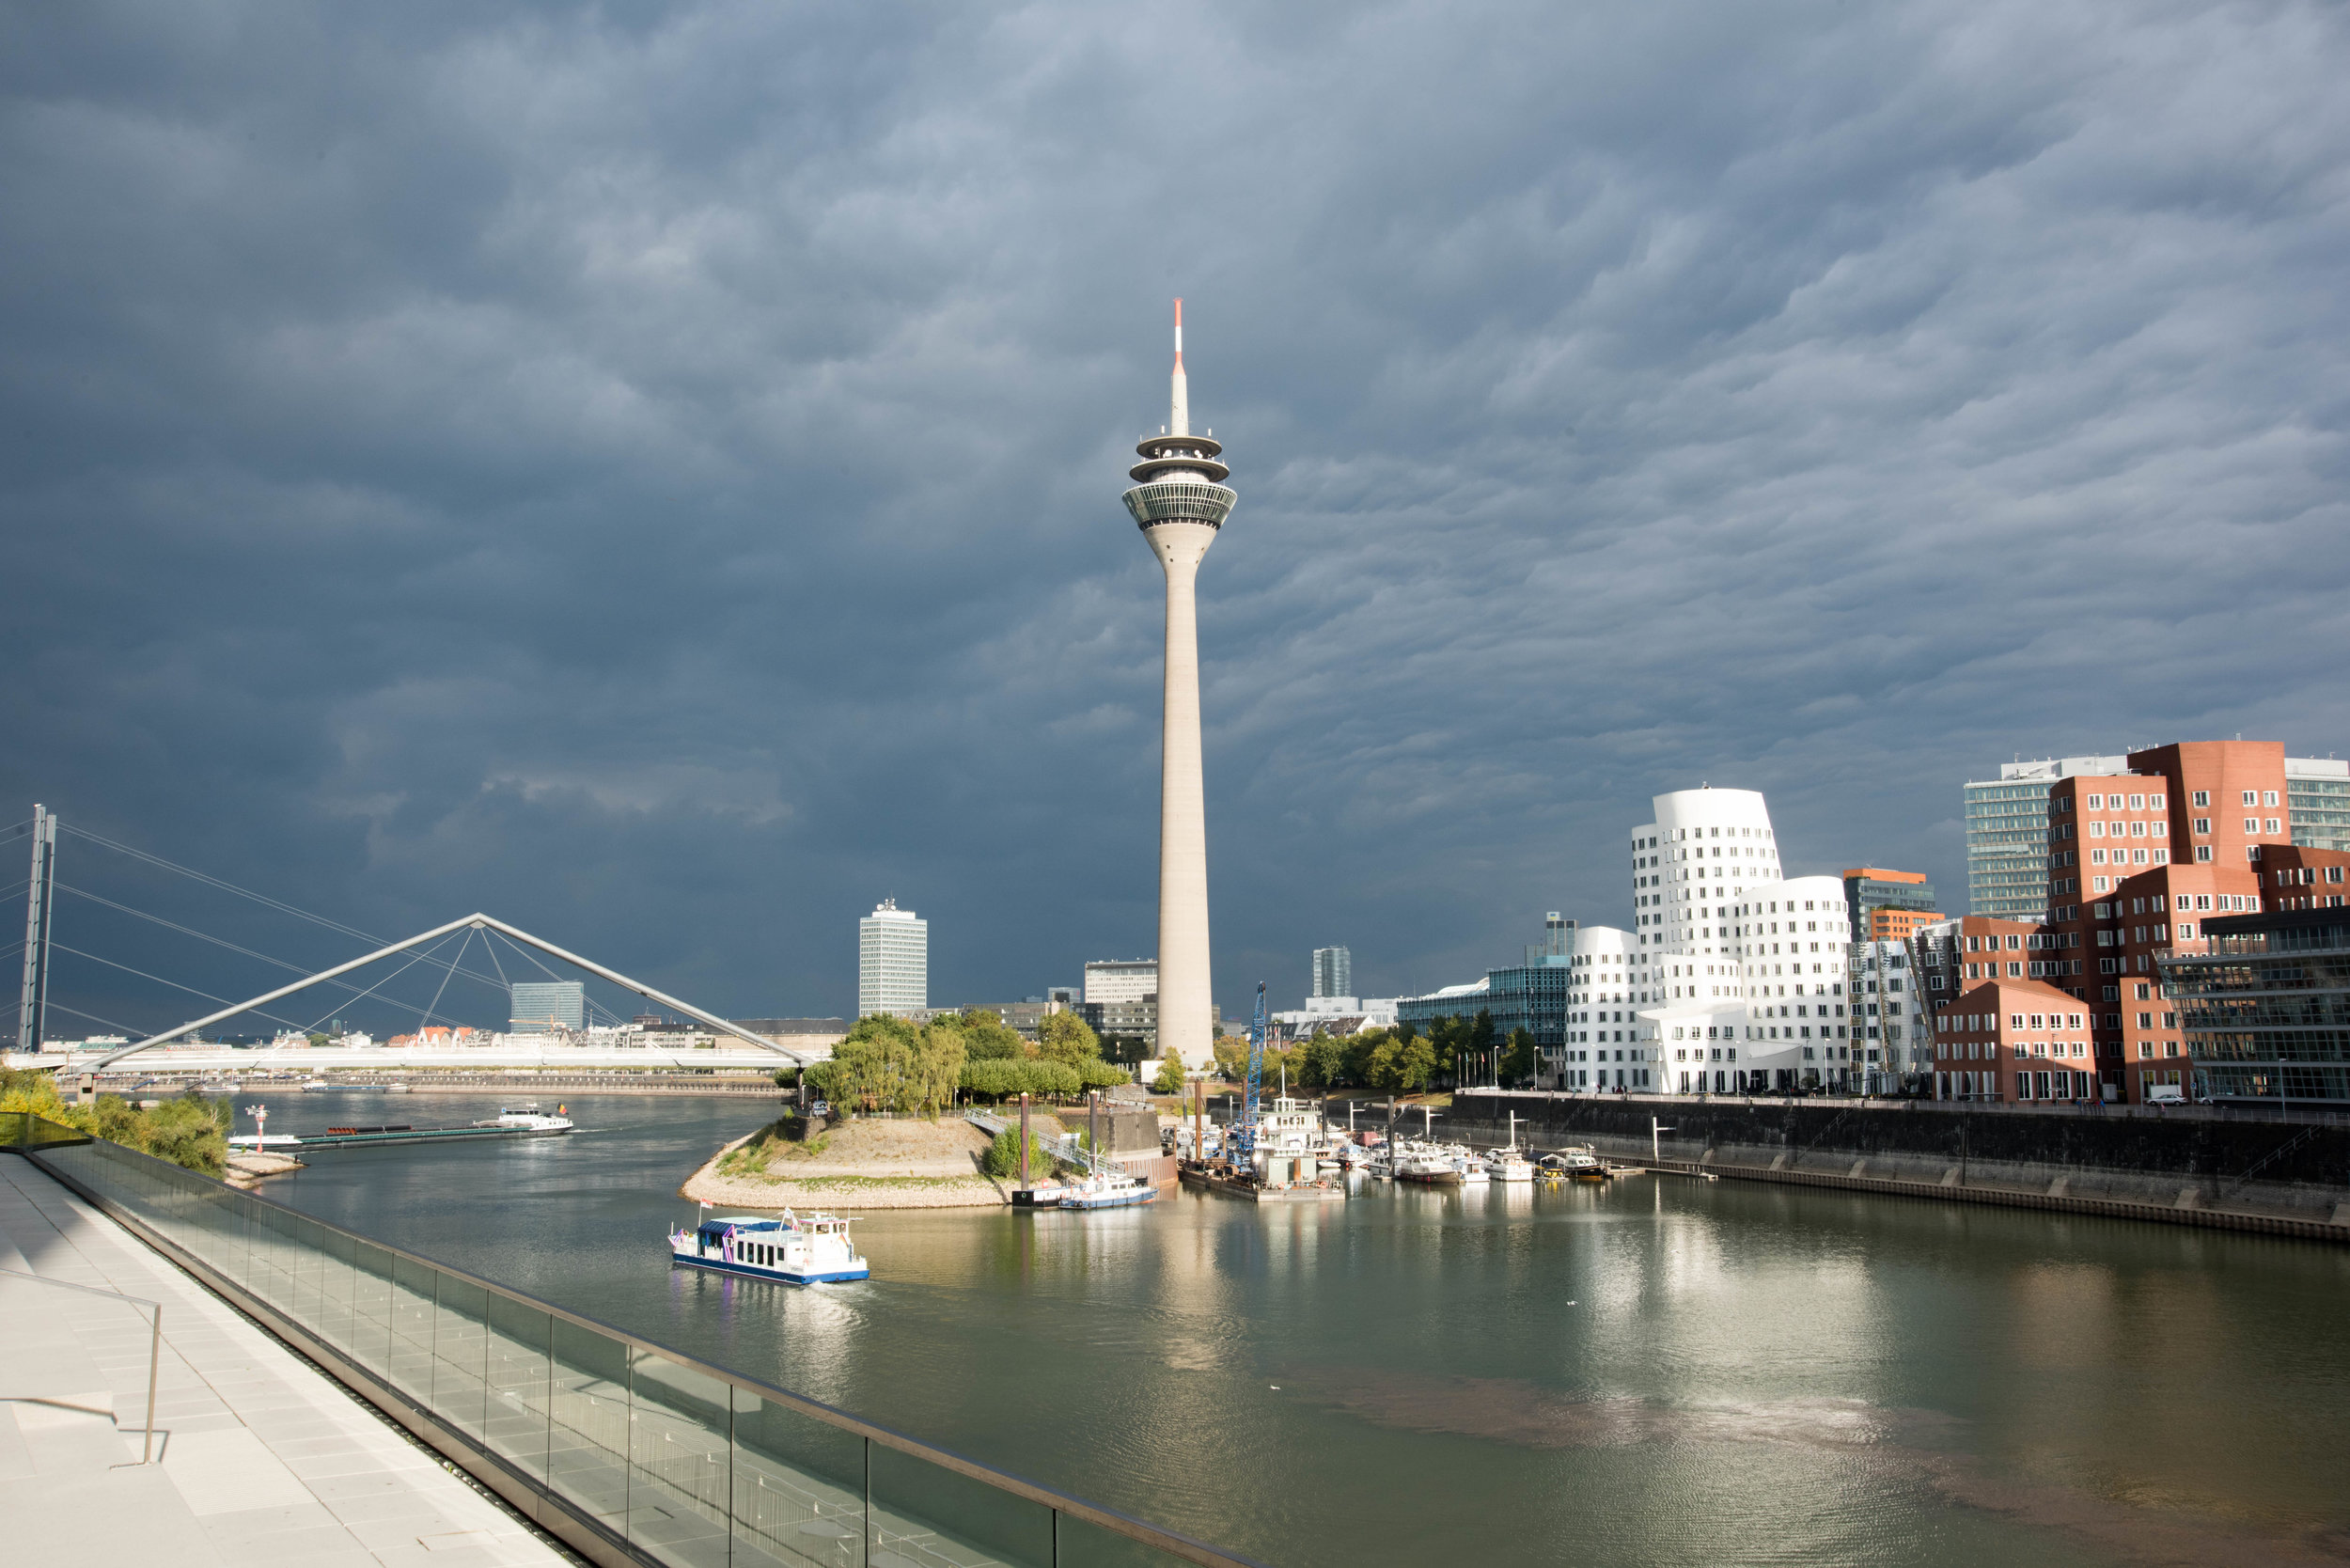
x=893 y=962
x=1741 y=975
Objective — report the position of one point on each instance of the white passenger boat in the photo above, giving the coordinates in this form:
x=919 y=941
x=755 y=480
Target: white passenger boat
x=813 y=1249
x=1108 y=1192
x=1507 y=1165
x=528 y=1119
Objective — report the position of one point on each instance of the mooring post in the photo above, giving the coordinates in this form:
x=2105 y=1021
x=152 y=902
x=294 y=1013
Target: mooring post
x=1024 y=1142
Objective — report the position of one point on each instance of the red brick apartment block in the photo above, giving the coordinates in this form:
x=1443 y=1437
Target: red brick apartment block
x=2016 y=1041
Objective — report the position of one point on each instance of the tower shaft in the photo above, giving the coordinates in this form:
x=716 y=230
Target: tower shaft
x=1186 y=986
x=1179 y=502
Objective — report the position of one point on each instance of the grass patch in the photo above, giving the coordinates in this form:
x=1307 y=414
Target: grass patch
x=775 y=1141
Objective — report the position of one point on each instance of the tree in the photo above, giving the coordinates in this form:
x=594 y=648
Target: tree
x=1170 y=1078
x=1322 y=1063
x=1381 y=1071
x=1480 y=1042
x=986 y=1037
x=1415 y=1067
x=887 y=1064
x=1063 y=1037
x=1519 y=1066
x=1231 y=1058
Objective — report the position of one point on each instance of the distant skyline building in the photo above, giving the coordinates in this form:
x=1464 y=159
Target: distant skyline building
x=541 y=1007
x=1179 y=502
x=893 y=962
x=1333 y=972
x=1903 y=899
x=1121 y=980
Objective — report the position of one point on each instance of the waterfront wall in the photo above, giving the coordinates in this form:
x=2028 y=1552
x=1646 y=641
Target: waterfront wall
x=2299 y=1170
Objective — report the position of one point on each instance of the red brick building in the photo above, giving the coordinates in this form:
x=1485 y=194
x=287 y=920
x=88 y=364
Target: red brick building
x=2136 y=860
x=2015 y=1041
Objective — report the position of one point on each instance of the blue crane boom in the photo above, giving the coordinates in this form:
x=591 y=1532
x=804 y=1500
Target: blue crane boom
x=1246 y=1133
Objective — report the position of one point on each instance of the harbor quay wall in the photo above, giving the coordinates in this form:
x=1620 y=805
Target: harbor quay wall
x=2297 y=1169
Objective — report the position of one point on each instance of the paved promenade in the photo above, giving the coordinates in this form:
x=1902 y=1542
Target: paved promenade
x=263 y=1460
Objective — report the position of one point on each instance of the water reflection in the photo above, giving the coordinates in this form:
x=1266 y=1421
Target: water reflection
x=1649 y=1371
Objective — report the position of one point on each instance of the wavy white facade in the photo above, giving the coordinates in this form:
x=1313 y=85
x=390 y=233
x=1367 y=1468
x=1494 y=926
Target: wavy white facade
x=1744 y=973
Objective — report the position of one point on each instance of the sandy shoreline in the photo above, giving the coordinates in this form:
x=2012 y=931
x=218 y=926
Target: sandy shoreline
x=887 y=1183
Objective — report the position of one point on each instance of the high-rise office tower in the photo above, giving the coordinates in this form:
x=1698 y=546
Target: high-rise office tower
x=1333 y=972
x=1180 y=501
x=893 y=960
x=542 y=1007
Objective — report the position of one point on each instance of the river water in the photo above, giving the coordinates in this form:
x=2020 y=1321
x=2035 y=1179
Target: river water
x=1658 y=1371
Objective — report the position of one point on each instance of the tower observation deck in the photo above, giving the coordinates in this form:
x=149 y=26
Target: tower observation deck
x=1179 y=502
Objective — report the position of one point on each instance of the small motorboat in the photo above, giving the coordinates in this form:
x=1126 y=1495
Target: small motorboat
x=1427 y=1167
x=811 y=1249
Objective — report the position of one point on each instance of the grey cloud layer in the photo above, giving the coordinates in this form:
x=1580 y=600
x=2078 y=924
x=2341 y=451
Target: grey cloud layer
x=658 y=479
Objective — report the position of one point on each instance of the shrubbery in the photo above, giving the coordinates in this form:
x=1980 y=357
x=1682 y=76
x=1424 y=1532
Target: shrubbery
x=190 y=1131
x=1003 y=1155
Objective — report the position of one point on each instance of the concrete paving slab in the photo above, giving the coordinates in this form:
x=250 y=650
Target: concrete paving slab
x=263 y=1460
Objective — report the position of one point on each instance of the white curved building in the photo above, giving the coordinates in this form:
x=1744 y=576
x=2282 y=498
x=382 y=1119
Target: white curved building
x=1744 y=972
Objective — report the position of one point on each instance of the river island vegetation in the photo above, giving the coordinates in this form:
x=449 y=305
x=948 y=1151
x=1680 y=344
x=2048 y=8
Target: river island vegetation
x=890 y=1064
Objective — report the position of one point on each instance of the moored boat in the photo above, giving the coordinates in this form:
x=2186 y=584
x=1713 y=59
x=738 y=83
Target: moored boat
x=1108 y=1192
x=1507 y=1165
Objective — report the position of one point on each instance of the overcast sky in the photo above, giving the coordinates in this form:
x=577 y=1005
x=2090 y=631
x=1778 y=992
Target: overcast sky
x=652 y=472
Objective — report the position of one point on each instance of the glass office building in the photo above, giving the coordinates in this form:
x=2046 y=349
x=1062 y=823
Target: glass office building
x=541 y=1007
x=1333 y=972
x=2007 y=835
x=2264 y=1003
x=2318 y=789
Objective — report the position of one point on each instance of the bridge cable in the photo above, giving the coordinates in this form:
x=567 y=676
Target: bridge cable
x=223 y=942
x=77 y=1013
x=159 y=981
x=210 y=880
x=384 y=981
x=172 y=925
x=423 y=1017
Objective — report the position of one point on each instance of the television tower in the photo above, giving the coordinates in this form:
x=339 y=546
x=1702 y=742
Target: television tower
x=1179 y=500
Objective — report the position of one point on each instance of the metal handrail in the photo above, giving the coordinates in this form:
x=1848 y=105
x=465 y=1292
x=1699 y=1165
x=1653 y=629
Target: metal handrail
x=154 y=1349
x=1167 y=1540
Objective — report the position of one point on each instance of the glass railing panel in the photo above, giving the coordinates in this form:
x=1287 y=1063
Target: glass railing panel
x=678 y=1466
x=587 y=1425
x=514 y=1406
x=371 y=1310
x=927 y=1516
x=304 y=1242
x=461 y=1344
x=1080 y=1544
x=411 y=1368
x=336 y=1271
x=799 y=1489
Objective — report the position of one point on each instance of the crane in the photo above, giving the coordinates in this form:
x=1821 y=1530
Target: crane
x=1245 y=1136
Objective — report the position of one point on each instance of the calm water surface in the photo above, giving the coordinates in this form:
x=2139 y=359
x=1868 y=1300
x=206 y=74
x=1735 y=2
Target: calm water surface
x=1656 y=1372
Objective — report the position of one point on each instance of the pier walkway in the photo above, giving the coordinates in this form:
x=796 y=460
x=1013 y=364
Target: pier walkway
x=261 y=1459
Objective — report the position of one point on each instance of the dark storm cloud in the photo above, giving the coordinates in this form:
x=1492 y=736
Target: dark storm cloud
x=653 y=475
